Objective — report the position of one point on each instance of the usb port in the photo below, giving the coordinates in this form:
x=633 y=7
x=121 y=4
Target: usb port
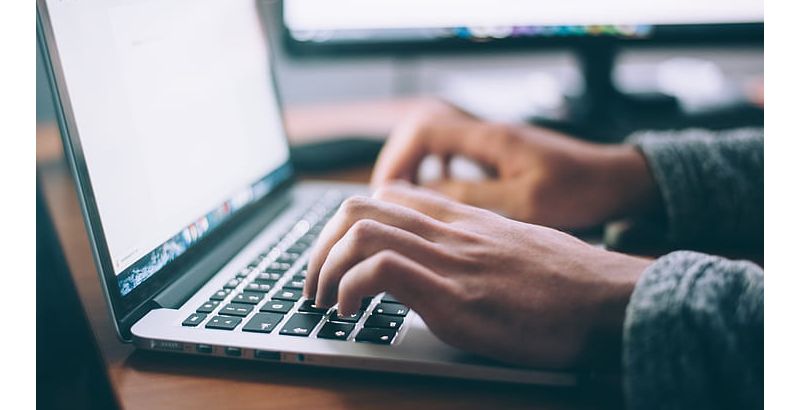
x=204 y=349
x=267 y=355
x=233 y=351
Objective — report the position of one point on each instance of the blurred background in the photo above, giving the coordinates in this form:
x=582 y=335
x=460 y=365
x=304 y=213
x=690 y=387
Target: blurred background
x=716 y=69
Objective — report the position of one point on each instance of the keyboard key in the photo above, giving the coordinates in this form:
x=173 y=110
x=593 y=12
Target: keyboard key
x=288 y=294
x=393 y=309
x=258 y=287
x=236 y=309
x=380 y=336
x=251 y=298
x=384 y=321
x=288 y=257
x=301 y=324
x=244 y=273
x=223 y=322
x=194 y=319
x=263 y=322
x=296 y=283
x=267 y=250
x=352 y=318
x=337 y=331
x=389 y=299
x=277 y=267
x=277 y=306
x=267 y=277
x=233 y=283
x=298 y=247
x=220 y=294
x=308 y=306
x=307 y=239
x=365 y=302
x=208 y=307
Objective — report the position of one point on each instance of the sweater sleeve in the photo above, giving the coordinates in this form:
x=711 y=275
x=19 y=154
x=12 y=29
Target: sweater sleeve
x=711 y=184
x=694 y=335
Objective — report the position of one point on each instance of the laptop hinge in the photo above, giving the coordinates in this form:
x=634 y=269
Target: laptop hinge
x=183 y=288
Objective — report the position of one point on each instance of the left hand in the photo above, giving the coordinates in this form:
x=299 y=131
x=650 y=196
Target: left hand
x=536 y=175
x=516 y=292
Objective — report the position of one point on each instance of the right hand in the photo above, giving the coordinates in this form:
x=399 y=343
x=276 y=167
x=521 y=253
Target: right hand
x=538 y=176
x=520 y=293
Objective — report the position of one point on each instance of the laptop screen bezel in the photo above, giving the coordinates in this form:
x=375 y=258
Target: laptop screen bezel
x=126 y=309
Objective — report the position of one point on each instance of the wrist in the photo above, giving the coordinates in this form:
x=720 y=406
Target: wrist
x=620 y=274
x=626 y=176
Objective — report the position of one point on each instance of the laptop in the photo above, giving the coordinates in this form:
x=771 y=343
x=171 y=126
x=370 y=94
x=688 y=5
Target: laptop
x=172 y=126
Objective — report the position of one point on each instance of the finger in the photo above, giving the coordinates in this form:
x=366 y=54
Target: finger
x=364 y=239
x=417 y=286
x=498 y=195
x=357 y=208
x=412 y=141
x=426 y=201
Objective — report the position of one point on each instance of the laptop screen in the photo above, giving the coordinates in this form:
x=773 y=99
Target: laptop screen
x=177 y=118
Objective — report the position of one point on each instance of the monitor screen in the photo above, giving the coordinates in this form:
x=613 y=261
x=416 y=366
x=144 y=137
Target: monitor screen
x=398 y=21
x=177 y=118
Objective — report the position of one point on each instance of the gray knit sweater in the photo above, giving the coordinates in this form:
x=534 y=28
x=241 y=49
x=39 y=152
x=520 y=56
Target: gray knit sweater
x=694 y=328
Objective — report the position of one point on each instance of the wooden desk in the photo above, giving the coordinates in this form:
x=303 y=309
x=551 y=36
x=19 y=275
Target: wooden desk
x=150 y=380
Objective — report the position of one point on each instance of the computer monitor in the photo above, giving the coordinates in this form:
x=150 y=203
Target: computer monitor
x=320 y=26
x=593 y=29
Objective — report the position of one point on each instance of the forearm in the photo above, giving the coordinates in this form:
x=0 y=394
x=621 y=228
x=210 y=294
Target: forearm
x=693 y=335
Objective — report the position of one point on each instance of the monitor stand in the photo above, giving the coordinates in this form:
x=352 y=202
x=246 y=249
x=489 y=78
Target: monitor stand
x=603 y=113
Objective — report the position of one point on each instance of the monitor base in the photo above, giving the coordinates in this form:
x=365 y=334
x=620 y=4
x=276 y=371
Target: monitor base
x=603 y=113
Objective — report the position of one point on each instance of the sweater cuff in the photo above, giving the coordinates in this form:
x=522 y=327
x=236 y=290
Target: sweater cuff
x=676 y=182
x=693 y=324
x=710 y=182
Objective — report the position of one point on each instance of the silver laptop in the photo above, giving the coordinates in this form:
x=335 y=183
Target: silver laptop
x=172 y=126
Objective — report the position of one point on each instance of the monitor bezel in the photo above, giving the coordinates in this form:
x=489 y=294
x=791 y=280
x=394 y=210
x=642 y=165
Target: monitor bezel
x=125 y=310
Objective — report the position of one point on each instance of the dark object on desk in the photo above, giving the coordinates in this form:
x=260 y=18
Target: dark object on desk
x=70 y=372
x=335 y=154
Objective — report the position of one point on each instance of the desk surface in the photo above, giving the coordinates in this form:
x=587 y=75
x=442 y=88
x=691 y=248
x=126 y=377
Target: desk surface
x=158 y=380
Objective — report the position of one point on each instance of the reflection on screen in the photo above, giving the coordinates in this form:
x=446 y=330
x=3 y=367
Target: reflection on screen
x=176 y=116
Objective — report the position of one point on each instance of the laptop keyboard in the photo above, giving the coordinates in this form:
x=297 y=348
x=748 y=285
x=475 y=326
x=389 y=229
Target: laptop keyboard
x=267 y=294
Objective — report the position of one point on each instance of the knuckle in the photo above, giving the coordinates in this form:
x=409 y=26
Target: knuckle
x=354 y=205
x=346 y=284
x=364 y=230
x=385 y=191
x=419 y=127
x=502 y=133
x=508 y=137
x=384 y=262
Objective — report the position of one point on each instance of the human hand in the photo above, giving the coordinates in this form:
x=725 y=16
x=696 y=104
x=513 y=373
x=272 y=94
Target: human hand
x=538 y=176
x=516 y=292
